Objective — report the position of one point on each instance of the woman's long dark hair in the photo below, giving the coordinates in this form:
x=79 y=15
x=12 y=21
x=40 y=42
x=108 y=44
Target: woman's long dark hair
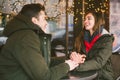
x=99 y=21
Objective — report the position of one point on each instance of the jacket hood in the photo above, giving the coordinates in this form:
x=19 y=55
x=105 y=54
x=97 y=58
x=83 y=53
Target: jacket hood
x=19 y=22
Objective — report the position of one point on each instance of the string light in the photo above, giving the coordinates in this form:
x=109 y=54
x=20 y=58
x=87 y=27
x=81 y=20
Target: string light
x=100 y=6
x=96 y=5
x=53 y=10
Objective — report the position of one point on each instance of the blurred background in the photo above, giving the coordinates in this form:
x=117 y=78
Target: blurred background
x=65 y=19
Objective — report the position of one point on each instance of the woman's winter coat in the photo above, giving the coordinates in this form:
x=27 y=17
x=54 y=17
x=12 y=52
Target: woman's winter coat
x=98 y=57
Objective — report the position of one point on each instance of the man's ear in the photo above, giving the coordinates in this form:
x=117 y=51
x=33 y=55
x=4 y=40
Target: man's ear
x=34 y=20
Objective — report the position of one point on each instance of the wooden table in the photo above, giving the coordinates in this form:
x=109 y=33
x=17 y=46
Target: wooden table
x=80 y=76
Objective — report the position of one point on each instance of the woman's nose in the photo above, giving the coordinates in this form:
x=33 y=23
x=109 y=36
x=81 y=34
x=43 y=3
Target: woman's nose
x=85 y=21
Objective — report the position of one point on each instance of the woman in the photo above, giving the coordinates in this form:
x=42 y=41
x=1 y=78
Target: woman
x=96 y=43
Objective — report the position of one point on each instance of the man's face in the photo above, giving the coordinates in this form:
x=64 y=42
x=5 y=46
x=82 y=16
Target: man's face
x=41 y=21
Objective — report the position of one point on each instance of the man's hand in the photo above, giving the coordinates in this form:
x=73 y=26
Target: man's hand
x=72 y=64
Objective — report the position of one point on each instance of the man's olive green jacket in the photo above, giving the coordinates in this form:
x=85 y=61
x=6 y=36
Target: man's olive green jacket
x=22 y=57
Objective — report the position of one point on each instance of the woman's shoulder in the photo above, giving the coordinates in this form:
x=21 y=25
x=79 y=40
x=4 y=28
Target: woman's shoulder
x=106 y=35
x=104 y=31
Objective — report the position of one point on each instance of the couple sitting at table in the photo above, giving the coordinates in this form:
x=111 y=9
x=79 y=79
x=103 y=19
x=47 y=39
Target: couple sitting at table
x=23 y=57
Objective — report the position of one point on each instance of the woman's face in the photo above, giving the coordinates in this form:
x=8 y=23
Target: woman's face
x=89 y=22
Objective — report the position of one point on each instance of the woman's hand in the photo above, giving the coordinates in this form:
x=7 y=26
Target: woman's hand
x=79 y=58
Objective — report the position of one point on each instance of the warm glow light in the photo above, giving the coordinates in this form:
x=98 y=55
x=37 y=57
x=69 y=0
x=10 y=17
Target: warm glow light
x=101 y=7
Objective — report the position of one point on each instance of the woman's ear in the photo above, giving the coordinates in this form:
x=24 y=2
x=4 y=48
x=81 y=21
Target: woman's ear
x=34 y=20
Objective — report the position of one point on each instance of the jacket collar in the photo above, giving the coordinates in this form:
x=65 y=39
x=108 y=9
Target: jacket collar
x=20 y=22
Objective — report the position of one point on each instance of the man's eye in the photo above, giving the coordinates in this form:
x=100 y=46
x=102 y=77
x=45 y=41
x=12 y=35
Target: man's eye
x=46 y=18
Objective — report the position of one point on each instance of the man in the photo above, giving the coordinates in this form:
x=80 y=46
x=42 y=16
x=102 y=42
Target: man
x=22 y=56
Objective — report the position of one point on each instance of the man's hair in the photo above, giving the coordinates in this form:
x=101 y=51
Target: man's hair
x=32 y=10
